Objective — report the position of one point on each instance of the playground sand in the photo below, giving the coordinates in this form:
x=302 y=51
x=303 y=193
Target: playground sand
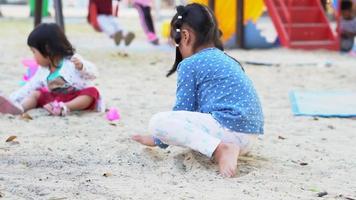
x=83 y=156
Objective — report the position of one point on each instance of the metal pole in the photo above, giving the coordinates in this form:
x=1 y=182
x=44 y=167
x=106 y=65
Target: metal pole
x=38 y=12
x=59 y=13
x=212 y=5
x=240 y=24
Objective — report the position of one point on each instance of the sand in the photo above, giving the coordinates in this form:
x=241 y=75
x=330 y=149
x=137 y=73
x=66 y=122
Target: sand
x=83 y=156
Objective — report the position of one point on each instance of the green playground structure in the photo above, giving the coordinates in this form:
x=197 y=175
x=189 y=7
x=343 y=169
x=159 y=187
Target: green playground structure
x=44 y=12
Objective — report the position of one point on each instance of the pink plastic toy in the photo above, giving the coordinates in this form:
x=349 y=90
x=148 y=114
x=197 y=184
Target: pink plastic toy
x=32 y=67
x=112 y=114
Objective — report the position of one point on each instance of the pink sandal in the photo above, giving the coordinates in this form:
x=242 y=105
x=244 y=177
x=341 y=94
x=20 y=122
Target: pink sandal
x=8 y=107
x=57 y=108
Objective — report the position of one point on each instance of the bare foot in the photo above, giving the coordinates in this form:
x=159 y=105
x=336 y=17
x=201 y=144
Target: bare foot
x=9 y=107
x=144 y=139
x=226 y=154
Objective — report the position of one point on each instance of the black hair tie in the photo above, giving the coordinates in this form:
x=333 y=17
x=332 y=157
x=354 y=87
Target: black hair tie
x=180 y=10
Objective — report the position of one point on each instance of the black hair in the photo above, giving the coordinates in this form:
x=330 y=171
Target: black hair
x=204 y=24
x=346 y=5
x=50 y=40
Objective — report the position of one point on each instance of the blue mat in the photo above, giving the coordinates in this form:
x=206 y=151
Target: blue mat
x=323 y=104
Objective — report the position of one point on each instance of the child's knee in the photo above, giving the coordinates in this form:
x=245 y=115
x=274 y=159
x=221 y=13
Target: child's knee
x=157 y=121
x=35 y=94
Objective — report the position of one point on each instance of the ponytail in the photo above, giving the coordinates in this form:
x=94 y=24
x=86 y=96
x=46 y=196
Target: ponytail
x=204 y=24
x=176 y=25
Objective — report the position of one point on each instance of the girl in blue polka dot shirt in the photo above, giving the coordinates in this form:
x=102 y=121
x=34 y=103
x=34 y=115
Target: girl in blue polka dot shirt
x=217 y=110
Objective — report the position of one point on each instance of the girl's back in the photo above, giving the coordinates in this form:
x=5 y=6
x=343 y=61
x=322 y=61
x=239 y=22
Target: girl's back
x=212 y=82
x=217 y=111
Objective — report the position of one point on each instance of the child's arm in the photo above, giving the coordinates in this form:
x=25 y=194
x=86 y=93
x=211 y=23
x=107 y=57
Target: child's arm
x=186 y=89
x=86 y=68
x=36 y=82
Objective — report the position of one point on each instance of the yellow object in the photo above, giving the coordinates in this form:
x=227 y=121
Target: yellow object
x=204 y=2
x=225 y=12
x=165 y=28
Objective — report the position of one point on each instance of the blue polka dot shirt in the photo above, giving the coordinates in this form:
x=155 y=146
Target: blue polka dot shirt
x=212 y=82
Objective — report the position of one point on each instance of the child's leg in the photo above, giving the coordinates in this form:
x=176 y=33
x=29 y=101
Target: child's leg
x=197 y=131
x=9 y=107
x=80 y=103
x=31 y=101
x=107 y=25
x=115 y=23
x=146 y=21
x=187 y=129
x=83 y=99
x=111 y=26
x=117 y=30
x=79 y=100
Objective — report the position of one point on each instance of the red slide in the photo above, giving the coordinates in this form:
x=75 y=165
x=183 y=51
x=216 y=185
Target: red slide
x=302 y=24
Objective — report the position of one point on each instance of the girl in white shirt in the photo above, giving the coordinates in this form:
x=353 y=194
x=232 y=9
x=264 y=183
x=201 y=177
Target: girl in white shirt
x=63 y=82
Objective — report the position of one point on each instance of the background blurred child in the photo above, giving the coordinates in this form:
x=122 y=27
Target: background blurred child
x=109 y=24
x=144 y=10
x=347 y=26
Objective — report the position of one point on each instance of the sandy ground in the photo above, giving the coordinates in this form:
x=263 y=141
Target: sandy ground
x=66 y=158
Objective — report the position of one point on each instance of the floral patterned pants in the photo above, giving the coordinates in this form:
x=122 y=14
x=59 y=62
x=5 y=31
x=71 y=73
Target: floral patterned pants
x=198 y=131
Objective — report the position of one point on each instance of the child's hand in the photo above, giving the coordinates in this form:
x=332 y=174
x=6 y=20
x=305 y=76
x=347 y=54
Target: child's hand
x=77 y=63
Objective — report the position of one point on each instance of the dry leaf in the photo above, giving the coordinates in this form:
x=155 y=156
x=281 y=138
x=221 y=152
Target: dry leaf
x=107 y=174
x=11 y=138
x=60 y=198
x=113 y=124
x=26 y=117
x=321 y=194
x=303 y=163
x=281 y=137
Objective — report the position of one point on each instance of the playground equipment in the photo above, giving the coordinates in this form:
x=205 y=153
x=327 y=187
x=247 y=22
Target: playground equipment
x=227 y=14
x=44 y=8
x=58 y=12
x=299 y=24
x=302 y=24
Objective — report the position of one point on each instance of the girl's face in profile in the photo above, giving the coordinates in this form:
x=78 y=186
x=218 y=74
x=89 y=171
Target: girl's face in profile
x=186 y=45
x=40 y=59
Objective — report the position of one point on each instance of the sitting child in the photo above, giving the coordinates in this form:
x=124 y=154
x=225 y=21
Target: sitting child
x=217 y=110
x=347 y=26
x=62 y=83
